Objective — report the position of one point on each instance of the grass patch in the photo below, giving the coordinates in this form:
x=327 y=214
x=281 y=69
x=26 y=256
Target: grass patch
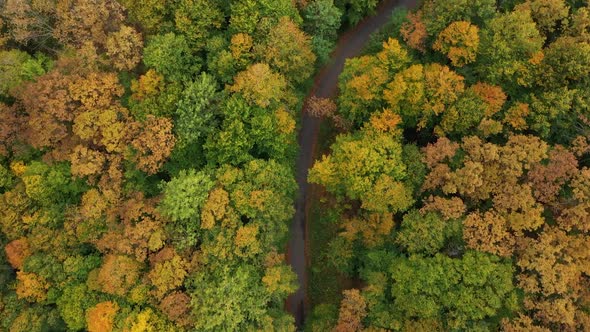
x=325 y=283
x=323 y=276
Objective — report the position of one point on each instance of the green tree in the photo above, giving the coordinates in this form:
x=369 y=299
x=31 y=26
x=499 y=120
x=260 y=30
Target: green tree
x=195 y=113
x=322 y=21
x=422 y=233
x=171 y=55
x=249 y=132
x=152 y=15
x=51 y=185
x=262 y=192
x=73 y=303
x=197 y=20
x=550 y=15
x=458 y=292
x=240 y=290
x=152 y=94
x=247 y=15
x=438 y=14
x=288 y=50
x=507 y=43
x=566 y=63
x=184 y=196
x=17 y=67
x=356 y=10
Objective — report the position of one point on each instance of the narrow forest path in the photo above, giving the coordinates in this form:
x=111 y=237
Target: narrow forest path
x=349 y=45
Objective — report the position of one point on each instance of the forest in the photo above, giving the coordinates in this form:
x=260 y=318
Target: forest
x=148 y=166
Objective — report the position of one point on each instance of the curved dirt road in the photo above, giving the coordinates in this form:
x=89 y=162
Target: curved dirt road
x=349 y=45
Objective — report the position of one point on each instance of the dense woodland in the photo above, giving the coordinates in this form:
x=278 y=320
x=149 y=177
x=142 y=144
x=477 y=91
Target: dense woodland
x=147 y=159
x=147 y=154
x=460 y=179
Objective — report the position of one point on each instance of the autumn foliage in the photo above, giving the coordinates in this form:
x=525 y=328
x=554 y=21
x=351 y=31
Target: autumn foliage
x=148 y=152
x=479 y=220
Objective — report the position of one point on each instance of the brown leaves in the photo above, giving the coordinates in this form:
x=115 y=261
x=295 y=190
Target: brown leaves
x=140 y=231
x=50 y=106
x=176 y=306
x=488 y=232
x=124 y=48
x=548 y=179
x=10 y=127
x=492 y=95
x=153 y=144
x=414 y=32
x=17 y=251
x=29 y=21
x=79 y=21
x=352 y=312
x=320 y=107
x=439 y=152
x=86 y=162
x=96 y=90
x=449 y=208
x=118 y=274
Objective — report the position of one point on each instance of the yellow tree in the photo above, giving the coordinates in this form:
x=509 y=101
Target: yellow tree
x=366 y=165
x=516 y=116
x=459 y=42
x=419 y=93
x=361 y=88
x=259 y=85
x=373 y=229
x=393 y=56
x=31 y=286
x=168 y=275
x=554 y=267
x=241 y=45
x=101 y=317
